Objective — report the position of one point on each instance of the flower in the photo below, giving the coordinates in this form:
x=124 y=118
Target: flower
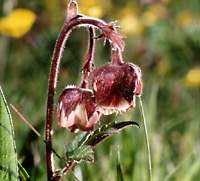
x=93 y=8
x=115 y=87
x=111 y=88
x=17 y=23
x=192 y=78
x=153 y=14
x=186 y=19
x=163 y=66
x=104 y=90
x=77 y=109
x=130 y=22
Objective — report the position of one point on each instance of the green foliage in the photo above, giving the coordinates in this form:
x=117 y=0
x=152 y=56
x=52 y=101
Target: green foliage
x=119 y=170
x=81 y=148
x=108 y=130
x=8 y=155
x=82 y=153
x=165 y=51
x=22 y=173
x=76 y=150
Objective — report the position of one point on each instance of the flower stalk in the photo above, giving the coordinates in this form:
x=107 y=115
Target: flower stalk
x=73 y=19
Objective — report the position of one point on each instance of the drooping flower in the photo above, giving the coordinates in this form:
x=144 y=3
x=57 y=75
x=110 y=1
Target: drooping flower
x=115 y=86
x=77 y=109
x=104 y=90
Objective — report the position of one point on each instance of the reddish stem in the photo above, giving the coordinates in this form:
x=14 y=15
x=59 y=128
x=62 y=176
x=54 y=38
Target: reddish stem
x=116 y=56
x=53 y=77
x=87 y=68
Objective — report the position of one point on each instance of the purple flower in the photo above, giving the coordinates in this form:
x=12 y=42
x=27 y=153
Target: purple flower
x=77 y=109
x=115 y=87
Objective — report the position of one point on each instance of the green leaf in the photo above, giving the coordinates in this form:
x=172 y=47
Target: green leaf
x=22 y=173
x=8 y=156
x=121 y=125
x=83 y=153
x=76 y=150
x=80 y=149
x=108 y=130
x=78 y=141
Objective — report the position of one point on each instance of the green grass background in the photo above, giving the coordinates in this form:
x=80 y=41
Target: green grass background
x=164 y=51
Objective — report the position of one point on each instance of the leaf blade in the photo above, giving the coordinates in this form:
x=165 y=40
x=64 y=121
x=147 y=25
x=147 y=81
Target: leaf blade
x=83 y=153
x=23 y=173
x=108 y=130
x=8 y=155
x=119 y=170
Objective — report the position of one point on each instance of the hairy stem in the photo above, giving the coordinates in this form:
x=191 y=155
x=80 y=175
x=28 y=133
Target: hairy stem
x=87 y=68
x=53 y=77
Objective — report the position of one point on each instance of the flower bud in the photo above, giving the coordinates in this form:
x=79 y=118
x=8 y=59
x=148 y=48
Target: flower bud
x=77 y=109
x=115 y=87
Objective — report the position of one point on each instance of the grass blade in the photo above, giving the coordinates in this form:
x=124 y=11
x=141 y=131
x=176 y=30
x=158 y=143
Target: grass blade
x=147 y=139
x=25 y=120
x=119 y=170
x=24 y=176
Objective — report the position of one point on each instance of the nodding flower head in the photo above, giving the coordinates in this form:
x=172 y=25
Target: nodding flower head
x=77 y=109
x=110 y=88
x=115 y=86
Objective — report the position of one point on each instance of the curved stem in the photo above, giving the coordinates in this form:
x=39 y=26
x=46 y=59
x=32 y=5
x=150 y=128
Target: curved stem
x=109 y=33
x=52 y=82
x=87 y=68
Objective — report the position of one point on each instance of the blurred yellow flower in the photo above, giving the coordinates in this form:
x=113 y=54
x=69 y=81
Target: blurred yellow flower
x=130 y=22
x=185 y=19
x=95 y=11
x=17 y=23
x=166 y=1
x=153 y=14
x=192 y=78
x=163 y=66
x=93 y=8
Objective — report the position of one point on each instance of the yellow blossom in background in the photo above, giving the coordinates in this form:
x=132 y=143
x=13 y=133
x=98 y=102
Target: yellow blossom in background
x=95 y=8
x=192 y=78
x=95 y=11
x=163 y=66
x=153 y=14
x=130 y=22
x=166 y=1
x=186 y=19
x=17 y=23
